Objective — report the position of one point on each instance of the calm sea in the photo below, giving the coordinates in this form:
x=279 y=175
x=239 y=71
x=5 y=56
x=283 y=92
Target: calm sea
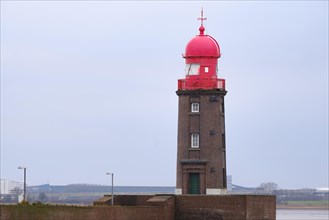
x=302 y=214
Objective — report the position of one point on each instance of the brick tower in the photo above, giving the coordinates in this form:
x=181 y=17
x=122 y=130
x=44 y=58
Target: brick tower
x=201 y=152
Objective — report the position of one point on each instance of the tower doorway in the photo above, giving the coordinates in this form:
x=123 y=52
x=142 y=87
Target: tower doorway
x=194 y=183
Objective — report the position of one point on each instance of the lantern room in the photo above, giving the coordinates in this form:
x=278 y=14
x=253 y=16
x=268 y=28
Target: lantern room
x=201 y=56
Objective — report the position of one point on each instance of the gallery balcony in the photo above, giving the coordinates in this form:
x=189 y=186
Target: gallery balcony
x=201 y=83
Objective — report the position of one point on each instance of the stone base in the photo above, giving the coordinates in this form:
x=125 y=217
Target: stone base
x=178 y=191
x=216 y=191
x=209 y=191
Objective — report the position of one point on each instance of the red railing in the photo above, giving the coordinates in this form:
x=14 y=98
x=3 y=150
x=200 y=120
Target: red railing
x=201 y=83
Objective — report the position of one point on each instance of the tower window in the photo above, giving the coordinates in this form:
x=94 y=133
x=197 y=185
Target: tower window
x=213 y=98
x=192 y=69
x=195 y=141
x=206 y=69
x=195 y=107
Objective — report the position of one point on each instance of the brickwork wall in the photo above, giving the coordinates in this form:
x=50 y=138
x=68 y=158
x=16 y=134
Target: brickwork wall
x=209 y=160
x=261 y=207
x=183 y=207
x=225 y=207
x=132 y=200
x=15 y=212
x=183 y=139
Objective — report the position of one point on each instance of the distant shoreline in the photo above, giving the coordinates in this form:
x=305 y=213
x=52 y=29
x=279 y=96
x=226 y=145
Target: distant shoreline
x=325 y=207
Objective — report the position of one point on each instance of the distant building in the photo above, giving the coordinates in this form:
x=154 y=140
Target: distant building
x=322 y=190
x=9 y=186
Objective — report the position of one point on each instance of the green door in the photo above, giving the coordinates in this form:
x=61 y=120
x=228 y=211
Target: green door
x=194 y=183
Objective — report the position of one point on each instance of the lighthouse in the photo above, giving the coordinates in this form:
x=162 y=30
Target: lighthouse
x=201 y=147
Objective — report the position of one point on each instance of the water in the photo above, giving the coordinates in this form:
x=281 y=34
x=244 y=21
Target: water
x=302 y=214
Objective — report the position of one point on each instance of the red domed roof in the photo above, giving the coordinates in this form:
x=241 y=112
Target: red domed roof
x=202 y=46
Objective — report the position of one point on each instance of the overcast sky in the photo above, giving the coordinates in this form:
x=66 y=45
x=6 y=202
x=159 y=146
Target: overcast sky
x=89 y=87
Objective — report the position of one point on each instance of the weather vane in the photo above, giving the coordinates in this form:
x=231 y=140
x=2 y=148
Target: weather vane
x=202 y=18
